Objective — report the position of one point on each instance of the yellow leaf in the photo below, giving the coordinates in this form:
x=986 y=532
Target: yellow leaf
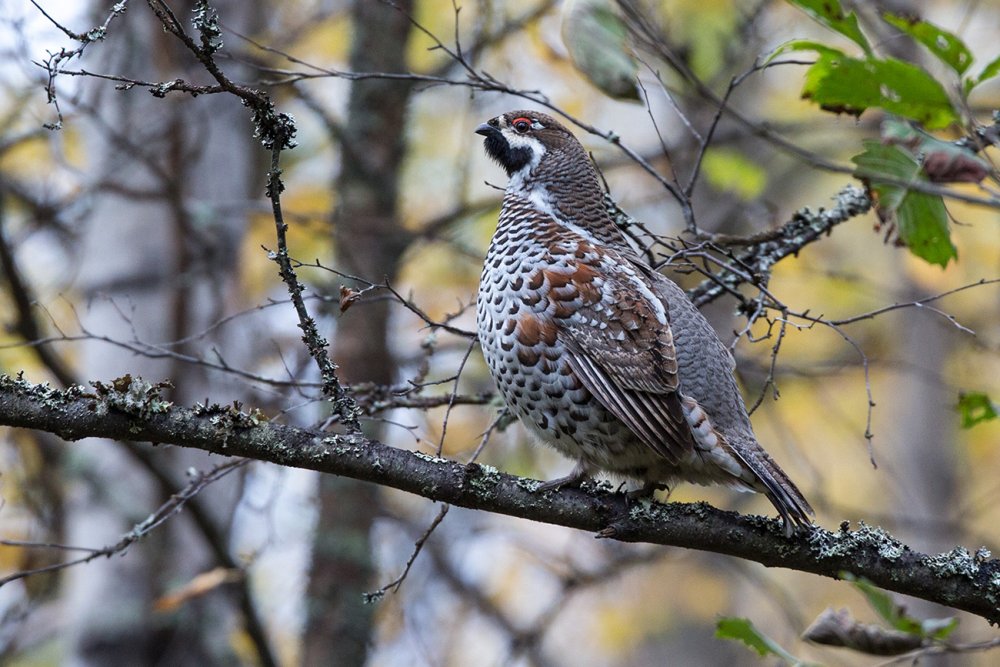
x=200 y=585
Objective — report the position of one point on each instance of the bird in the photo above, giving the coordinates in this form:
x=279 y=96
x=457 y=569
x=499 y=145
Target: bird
x=600 y=356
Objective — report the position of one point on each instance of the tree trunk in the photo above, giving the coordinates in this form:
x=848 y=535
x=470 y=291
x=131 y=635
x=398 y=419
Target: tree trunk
x=156 y=268
x=369 y=240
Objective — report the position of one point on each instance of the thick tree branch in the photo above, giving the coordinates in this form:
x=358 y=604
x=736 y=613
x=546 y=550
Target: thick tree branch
x=805 y=227
x=132 y=409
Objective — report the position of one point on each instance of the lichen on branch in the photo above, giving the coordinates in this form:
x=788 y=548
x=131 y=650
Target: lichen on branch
x=131 y=408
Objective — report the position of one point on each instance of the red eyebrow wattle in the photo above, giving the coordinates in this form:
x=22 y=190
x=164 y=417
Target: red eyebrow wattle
x=517 y=120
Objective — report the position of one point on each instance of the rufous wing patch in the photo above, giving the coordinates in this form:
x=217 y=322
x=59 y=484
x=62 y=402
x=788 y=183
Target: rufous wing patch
x=533 y=329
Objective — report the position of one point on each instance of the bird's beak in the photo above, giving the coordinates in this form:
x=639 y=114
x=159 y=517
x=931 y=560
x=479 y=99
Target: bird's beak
x=485 y=129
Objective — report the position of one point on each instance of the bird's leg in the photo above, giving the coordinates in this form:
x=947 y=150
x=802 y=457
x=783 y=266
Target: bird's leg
x=647 y=490
x=579 y=474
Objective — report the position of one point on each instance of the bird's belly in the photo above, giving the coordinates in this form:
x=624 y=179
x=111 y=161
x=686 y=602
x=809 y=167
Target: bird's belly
x=535 y=379
x=539 y=386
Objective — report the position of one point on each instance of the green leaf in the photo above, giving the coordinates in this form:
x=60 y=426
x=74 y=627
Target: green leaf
x=976 y=407
x=909 y=91
x=923 y=226
x=831 y=14
x=938 y=628
x=731 y=171
x=842 y=84
x=803 y=45
x=991 y=70
x=895 y=615
x=947 y=47
x=885 y=606
x=881 y=161
x=896 y=131
x=921 y=219
x=743 y=630
x=885 y=159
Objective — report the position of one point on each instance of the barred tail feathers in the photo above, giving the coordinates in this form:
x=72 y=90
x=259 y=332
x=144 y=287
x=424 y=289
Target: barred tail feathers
x=795 y=510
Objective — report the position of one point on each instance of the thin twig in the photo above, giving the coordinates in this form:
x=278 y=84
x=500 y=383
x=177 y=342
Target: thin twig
x=344 y=405
x=417 y=548
x=152 y=522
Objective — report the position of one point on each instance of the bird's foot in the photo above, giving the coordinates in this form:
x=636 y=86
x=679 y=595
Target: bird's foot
x=572 y=480
x=646 y=491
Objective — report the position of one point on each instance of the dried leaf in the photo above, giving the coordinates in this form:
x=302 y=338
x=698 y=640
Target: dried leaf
x=942 y=161
x=954 y=167
x=347 y=297
x=839 y=628
x=200 y=585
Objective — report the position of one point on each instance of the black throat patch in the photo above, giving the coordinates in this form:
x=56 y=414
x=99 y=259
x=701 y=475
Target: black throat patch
x=511 y=159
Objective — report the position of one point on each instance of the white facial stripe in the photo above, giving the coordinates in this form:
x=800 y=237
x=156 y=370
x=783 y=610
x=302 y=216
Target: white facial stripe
x=522 y=141
x=515 y=140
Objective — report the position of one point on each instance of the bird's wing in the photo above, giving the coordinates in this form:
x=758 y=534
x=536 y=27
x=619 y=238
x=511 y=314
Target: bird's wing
x=618 y=340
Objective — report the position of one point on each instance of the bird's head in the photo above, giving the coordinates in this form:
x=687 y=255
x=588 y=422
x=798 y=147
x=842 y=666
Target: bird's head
x=521 y=140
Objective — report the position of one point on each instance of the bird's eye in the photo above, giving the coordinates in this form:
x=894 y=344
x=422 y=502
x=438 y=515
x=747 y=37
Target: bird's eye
x=521 y=125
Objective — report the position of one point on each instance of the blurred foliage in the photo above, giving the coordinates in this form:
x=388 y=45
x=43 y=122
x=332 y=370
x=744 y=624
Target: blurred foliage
x=743 y=630
x=841 y=83
x=596 y=37
x=975 y=408
x=730 y=171
x=704 y=30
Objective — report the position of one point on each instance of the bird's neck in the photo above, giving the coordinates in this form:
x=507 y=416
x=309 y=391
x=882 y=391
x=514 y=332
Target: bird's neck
x=573 y=198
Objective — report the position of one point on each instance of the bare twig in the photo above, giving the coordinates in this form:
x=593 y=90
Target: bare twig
x=452 y=396
x=54 y=63
x=344 y=405
x=176 y=502
x=417 y=548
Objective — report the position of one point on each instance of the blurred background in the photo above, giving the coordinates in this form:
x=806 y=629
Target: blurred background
x=135 y=238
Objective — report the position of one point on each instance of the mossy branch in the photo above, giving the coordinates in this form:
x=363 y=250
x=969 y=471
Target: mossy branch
x=131 y=409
